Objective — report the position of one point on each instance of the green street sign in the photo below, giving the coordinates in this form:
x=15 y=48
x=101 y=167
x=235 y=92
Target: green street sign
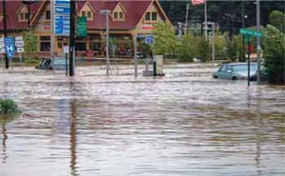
x=81 y=27
x=250 y=32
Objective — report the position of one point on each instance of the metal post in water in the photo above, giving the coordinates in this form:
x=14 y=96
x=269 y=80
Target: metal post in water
x=72 y=37
x=135 y=55
x=248 y=63
x=213 y=43
x=5 y=31
x=258 y=27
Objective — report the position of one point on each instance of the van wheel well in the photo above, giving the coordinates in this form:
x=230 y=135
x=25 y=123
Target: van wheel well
x=234 y=78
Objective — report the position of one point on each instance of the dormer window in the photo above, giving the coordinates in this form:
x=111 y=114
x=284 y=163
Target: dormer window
x=23 y=14
x=87 y=11
x=151 y=17
x=119 y=13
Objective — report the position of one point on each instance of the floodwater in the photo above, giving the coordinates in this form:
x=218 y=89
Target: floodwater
x=185 y=124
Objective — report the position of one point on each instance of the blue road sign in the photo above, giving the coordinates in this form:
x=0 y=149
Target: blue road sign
x=149 y=39
x=9 y=46
x=58 y=10
x=62 y=2
x=62 y=25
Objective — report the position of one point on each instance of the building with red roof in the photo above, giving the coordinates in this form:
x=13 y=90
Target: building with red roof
x=127 y=19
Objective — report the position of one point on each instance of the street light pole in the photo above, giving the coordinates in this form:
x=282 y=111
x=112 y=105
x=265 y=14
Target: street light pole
x=5 y=31
x=243 y=37
x=72 y=37
x=107 y=13
x=258 y=28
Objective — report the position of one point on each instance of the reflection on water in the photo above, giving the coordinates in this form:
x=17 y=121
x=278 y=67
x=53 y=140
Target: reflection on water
x=183 y=124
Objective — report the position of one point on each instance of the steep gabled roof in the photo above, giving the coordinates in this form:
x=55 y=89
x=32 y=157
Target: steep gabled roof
x=12 y=7
x=135 y=12
x=135 y=9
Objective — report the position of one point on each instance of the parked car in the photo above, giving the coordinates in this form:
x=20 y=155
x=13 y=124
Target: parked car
x=141 y=55
x=263 y=75
x=56 y=63
x=235 y=71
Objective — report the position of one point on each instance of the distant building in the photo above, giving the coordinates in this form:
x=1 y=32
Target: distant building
x=127 y=18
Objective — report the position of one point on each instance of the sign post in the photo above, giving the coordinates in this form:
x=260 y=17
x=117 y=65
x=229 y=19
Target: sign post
x=66 y=51
x=20 y=44
x=2 y=50
x=248 y=34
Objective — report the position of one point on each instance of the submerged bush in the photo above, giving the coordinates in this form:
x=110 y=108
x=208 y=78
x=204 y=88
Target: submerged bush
x=8 y=107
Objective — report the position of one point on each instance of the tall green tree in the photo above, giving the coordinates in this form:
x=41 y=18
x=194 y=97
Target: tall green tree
x=274 y=52
x=30 y=40
x=277 y=19
x=165 y=40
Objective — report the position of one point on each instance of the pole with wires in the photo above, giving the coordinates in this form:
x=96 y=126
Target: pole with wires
x=206 y=19
x=72 y=37
x=5 y=31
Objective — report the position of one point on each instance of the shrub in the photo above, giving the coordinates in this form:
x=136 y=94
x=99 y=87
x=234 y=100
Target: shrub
x=8 y=107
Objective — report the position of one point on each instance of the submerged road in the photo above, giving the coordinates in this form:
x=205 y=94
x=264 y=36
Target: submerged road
x=184 y=124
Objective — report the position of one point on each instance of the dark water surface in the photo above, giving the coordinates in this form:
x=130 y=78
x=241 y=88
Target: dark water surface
x=185 y=124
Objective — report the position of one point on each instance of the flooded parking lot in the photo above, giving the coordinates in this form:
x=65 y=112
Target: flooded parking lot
x=185 y=123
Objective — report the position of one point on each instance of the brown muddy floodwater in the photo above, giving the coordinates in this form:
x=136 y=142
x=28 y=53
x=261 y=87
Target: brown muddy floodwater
x=185 y=124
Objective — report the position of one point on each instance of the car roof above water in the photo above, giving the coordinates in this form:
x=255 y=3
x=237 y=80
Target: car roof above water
x=239 y=63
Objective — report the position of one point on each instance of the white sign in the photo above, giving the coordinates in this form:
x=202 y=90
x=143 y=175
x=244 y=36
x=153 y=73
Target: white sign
x=19 y=44
x=19 y=38
x=66 y=49
x=2 y=45
x=20 y=50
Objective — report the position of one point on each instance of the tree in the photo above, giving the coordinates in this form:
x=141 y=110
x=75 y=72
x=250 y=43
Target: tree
x=274 y=52
x=276 y=19
x=203 y=48
x=30 y=43
x=165 y=40
x=188 y=48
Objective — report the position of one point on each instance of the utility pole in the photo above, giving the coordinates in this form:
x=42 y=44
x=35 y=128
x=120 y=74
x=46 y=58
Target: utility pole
x=206 y=19
x=213 y=43
x=5 y=31
x=258 y=40
x=52 y=29
x=107 y=13
x=72 y=37
x=243 y=37
x=186 y=19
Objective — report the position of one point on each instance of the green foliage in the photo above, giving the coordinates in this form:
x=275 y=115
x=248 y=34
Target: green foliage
x=203 y=48
x=30 y=43
x=188 y=48
x=234 y=48
x=274 y=52
x=31 y=61
x=276 y=19
x=165 y=40
x=8 y=107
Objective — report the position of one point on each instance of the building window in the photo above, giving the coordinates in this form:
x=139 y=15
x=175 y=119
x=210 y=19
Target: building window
x=116 y=15
x=147 y=16
x=121 y=15
x=45 y=43
x=83 y=14
x=154 y=16
x=48 y=16
x=23 y=16
x=89 y=15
